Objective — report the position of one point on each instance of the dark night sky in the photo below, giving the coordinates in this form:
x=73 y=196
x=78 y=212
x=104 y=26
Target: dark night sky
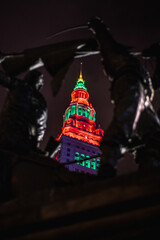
x=26 y=24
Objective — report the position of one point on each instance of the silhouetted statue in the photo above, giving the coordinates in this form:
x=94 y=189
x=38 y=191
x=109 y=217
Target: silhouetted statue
x=56 y=58
x=24 y=114
x=132 y=93
x=23 y=117
x=152 y=52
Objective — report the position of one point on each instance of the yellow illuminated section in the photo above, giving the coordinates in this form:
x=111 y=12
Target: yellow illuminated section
x=80 y=75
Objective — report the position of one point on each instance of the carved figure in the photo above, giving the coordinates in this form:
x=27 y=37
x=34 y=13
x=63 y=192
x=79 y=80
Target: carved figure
x=24 y=114
x=132 y=93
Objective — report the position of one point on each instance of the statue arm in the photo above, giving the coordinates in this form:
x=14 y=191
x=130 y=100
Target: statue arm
x=37 y=125
x=154 y=51
x=41 y=126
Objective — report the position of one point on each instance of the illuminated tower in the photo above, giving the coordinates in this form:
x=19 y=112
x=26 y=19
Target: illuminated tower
x=80 y=139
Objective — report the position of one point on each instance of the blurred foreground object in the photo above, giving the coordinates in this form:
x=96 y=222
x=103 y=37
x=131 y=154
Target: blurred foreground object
x=24 y=114
x=132 y=93
x=56 y=58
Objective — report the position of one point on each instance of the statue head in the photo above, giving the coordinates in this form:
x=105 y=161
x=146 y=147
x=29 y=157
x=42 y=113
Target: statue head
x=34 y=79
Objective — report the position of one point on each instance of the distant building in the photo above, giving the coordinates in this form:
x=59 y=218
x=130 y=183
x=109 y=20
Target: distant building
x=80 y=139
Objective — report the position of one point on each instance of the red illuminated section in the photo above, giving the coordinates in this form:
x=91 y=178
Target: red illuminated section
x=79 y=118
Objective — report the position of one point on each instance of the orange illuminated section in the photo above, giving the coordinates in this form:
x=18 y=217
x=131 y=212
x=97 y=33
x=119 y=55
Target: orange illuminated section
x=79 y=118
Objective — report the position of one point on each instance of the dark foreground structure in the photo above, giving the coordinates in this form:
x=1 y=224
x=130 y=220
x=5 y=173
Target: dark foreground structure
x=49 y=202
x=43 y=200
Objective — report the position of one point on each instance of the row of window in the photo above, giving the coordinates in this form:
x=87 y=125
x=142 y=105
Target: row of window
x=80 y=112
x=93 y=163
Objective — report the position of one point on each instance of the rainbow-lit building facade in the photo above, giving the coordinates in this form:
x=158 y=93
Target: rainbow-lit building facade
x=80 y=139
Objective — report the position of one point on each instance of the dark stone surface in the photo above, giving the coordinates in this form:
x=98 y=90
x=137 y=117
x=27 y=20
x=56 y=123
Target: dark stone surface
x=124 y=207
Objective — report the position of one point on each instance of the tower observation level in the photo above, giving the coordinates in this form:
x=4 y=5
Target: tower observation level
x=80 y=139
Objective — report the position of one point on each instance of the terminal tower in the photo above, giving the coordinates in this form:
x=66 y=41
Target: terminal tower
x=80 y=138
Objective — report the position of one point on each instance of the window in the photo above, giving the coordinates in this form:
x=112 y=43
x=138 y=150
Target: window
x=88 y=162
x=76 y=158
x=94 y=116
x=68 y=149
x=79 y=111
x=88 y=113
x=98 y=163
x=69 y=113
x=93 y=164
x=73 y=109
x=81 y=158
x=84 y=112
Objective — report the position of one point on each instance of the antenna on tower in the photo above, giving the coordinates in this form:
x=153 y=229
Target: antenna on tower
x=81 y=70
x=80 y=75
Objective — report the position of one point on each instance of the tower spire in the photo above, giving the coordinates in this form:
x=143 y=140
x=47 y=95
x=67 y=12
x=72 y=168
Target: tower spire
x=80 y=75
x=80 y=84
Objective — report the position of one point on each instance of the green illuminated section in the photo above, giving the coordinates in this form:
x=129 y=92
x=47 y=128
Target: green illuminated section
x=76 y=158
x=68 y=113
x=83 y=112
x=88 y=163
x=80 y=111
x=93 y=164
x=82 y=157
x=94 y=116
x=73 y=109
x=98 y=163
x=80 y=84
